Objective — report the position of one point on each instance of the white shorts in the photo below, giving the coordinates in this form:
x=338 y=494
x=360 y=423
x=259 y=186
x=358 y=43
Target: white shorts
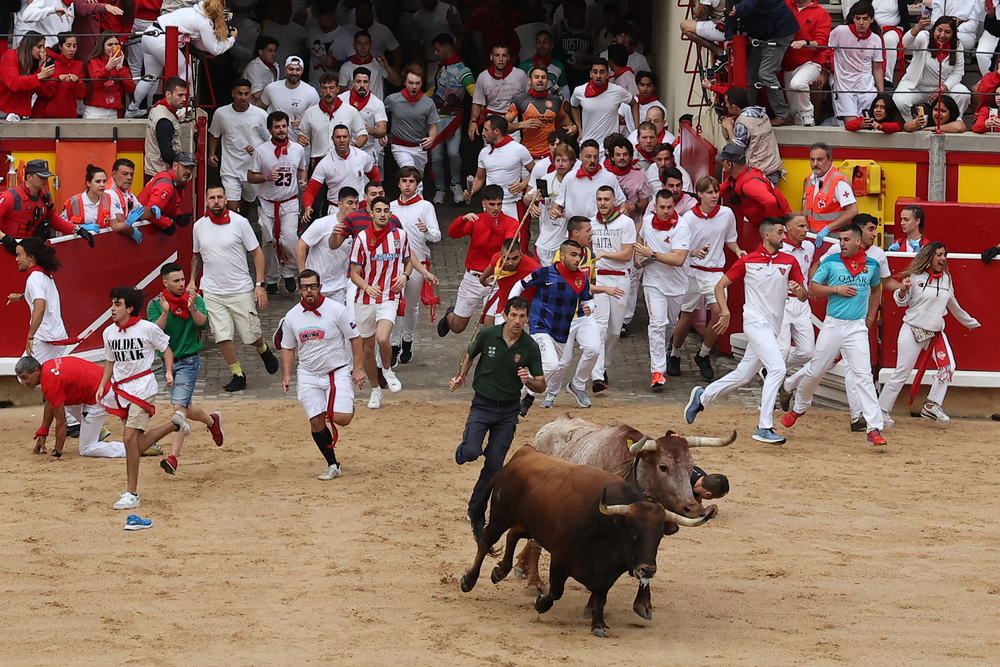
x=701 y=285
x=710 y=31
x=237 y=189
x=100 y=112
x=229 y=314
x=852 y=104
x=471 y=293
x=313 y=392
x=367 y=315
x=409 y=156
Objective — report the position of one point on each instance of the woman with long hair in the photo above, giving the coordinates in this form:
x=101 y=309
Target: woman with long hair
x=203 y=24
x=24 y=72
x=941 y=111
x=883 y=116
x=111 y=79
x=988 y=116
x=95 y=209
x=66 y=89
x=941 y=58
x=927 y=293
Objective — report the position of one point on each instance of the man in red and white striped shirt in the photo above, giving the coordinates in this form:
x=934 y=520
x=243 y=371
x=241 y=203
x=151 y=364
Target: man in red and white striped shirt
x=380 y=267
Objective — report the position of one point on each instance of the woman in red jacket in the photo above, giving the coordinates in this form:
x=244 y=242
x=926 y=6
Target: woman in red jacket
x=66 y=87
x=23 y=73
x=882 y=115
x=988 y=117
x=111 y=79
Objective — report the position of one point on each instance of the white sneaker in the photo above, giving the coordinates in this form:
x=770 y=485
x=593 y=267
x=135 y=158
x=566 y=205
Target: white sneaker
x=333 y=472
x=457 y=194
x=391 y=380
x=887 y=419
x=134 y=111
x=128 y=501
x=181 y=421
x=548 y=401
x=375 y=402
x=934 y=411
x=438 y=197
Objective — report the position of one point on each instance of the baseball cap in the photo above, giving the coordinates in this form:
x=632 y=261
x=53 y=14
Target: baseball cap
x=294 y=60
x=38 y=168
x=732 y=153
x=186 y=159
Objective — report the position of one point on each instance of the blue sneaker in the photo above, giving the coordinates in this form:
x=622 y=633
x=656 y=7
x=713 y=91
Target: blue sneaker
x=135 y=522
x=694 y=405
x=768 y=436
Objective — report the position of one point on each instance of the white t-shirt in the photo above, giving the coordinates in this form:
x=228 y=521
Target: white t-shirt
x=611 y=237
x=666 y=279
x=874 y=252
x=40 y=286
x=237 y=130
x=223 y=250
x=338 y=43
x=409 y=215
x=265 y=162
x=338 y=172
x=551 y=231
x=371 y=114
x=636 y=60
x=599 y=114
x=653 y=176
x=853 y=66
x=291 y=38
x=320 y=341
x=260 y=75
x=803 y=254
x=133 y=351
x=318 y=126
x=504 y=166
x=293 y=101
x=694 y=232
x=377 y=78
x=429 y=24
x=332 y=266
x=579 y=193
x=495 y=94
x=382 y=38
x=91 y=209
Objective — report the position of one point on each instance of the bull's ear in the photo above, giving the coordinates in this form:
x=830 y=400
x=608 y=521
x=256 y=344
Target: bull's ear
x=670 y=528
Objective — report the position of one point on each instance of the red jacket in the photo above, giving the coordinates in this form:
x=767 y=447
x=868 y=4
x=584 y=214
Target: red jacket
x=21 y=215
x=147 y=10
x=487 y=233
x=108 y=86
x=15 y=89
x=164 y=191
x=64 y=94
x=753 y=196
x=980 y=124
x=985 y=89
x=888 y=128
x=119 y=25
x=814 y=26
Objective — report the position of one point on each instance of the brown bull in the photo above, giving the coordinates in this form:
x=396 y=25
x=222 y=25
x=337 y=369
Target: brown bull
x=661 y=468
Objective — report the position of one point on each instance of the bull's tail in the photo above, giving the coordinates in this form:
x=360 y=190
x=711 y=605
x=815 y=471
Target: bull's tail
x=477 y=513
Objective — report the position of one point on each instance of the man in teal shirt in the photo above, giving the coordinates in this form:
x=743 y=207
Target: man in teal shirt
x=849 y=281
x=182 y=316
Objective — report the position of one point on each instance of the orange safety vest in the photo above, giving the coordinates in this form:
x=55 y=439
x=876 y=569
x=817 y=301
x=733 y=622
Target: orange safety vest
x=75 y=211
x=822 y=208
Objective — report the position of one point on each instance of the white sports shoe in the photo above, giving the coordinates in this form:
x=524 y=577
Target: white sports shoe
x=391 y=380
x=134 y=111
x=887 y=419
x=128 y=501
x=438 y=197
x=457 y=194
x=548 y=401
x=181 y=421
x=333 y=472
x=934 y=411
x=375 y=402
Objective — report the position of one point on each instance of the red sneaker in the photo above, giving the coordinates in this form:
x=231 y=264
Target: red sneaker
x=875 y=437
x=216 y=429
x=169 y=464
x=657 y=382
x=788 y=419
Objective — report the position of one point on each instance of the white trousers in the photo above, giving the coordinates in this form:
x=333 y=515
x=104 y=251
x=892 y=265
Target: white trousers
x=583 y=332
x=275 y=267
x=907 y=351
x=905 y=97
x=154 y=57
x=91 y=418
x=984 y=52
x=407 y=324
x=798 y=83
x=891 y=40
x=411 y=156
x=635 y=281
x=609 y=315
x=552 y=354
x=762 y=351
x=797 y=327
x=664 y=311
x=848 y=338
x=545 y=256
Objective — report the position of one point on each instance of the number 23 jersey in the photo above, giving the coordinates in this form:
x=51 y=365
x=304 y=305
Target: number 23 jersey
x=286 y=160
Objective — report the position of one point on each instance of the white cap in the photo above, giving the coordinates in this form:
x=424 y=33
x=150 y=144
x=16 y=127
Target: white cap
x=294 y=60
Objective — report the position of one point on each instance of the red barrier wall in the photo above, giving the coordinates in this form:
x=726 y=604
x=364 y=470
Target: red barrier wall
x=968 y=228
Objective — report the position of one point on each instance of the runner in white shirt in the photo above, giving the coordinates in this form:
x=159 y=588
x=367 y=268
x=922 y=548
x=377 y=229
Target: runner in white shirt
x=674 y=184
x=262 y=70
x=372 y=111
x=321 y=334
x=279 y=167
x=613 y=239
x=663 y=159
x=554 y=171
x=506 y=163
x=344 y=166
x=379 y=69
x=329 y=45
x=316 y=130
x=579 y=188
x=705 y=231
x=239 y=127
x=290 y=95
x=495 y=88
x=595 y=105
x=664 y=282
x=313 y=251
x=419 y=220
x=797 y=324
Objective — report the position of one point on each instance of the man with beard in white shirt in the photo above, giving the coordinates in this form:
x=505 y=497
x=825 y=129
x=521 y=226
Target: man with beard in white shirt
x=344 y=166
x=663 y=159
x=372 y=112
x=240 y=127
x=579 y=193
x=379 y=69
x=314 y=251
x=316 y=130
x=290 y=95
x=419 y=220
x=495 y=88
x=797 y=324
x=553 y=171
x=595 y=105
x=262 y=70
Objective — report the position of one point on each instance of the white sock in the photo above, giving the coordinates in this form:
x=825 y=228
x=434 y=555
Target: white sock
x=705 y=351
x=675 y=351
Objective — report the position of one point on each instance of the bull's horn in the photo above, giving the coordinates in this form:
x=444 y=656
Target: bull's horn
x=704 y=441
x=613 y=510
x=684 y=521
x=642 y=445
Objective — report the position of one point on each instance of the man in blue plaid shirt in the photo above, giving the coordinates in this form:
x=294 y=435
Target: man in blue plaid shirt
x=560 y=290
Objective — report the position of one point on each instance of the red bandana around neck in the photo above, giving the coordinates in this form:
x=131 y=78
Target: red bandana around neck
x=648 y=157
x=314 y=309
x=163 y=103
x=621 y=71
x=614 y=216
x=376 y=237
x=552 y=167
x=581 y=173
x=130 y=322
x=664 y=225
x=610 y=166
x=593 y=91
x=856 y=263
x=500 y=144
x=357 y=101
x=942 y=53
x=500 y=75
x=711 y=214
x=410 y=98
x=575 y=279
x=408 y=202
x=178 y=304
x=648 y=100
x=934 y=276
x=539 y=95
x=38 y=268
x=855 y=31
x=219 y=219
x=538 y=61
x=452 y=60
x=327 y=110
x=359 y=61
x=280 y=149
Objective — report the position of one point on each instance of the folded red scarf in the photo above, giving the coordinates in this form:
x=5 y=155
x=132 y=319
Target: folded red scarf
x=178 y=304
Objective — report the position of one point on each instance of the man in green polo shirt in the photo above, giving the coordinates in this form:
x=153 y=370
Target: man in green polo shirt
x=182 y=316
x=509 y=360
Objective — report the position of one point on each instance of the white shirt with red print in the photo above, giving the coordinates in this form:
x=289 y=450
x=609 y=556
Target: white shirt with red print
x=766 y=279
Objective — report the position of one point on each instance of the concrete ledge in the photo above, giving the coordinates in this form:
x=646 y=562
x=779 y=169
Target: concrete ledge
x=838 y=137
x=74 y=128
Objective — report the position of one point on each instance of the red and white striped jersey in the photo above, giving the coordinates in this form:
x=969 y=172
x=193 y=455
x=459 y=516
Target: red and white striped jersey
x=381 y=258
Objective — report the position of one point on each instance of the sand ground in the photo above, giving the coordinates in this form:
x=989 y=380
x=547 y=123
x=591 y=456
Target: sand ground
x=826 y=552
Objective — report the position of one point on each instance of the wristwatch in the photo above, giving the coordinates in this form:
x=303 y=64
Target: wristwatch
x=261 y=284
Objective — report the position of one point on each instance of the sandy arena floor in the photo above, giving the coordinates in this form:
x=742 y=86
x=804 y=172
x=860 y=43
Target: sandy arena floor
x=826 y=552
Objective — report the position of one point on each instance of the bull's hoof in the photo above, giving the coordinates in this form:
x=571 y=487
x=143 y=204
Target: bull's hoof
x=468 y=583
x=643 y=612
x=498 y=575
x=601 y=632
x=520 y=573
x=534 y=590
x=588 y=612
x=543 y=603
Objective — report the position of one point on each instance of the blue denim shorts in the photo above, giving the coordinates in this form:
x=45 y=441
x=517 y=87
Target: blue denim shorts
x=185 y=376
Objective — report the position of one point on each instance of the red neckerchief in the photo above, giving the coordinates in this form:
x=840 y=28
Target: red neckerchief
x=163 y=103
x=664 y=225
x=38 y=268
x=942 y=54
x=178 y=304
x=500 y=144
x=593 y=90
x=581 y=173
x=698 y=212
x=552 y=167
x=614 y=216
x=610 y=166
x=282 y=148
x=131 y=321
x=855 y=31
x=327 y=110
x=342 y=157
x=376 y=237
x=539 y=95
x=359 y=61
x=319 y=304
x=659 y=137
x=648 y=100
x=539 y=61
x=793 y=243
x=220 y=219
x=575 y=279
x=621 y=71
x=855 y=264
x=357 y=101
x=648 y=157
x=501 y=75
x=414 y=200
x=410 y=99
x=272 y=67
x=934 y=276
x=452 y=60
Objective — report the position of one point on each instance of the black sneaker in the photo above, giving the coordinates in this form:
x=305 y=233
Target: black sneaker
x=290 y=284
x=599 y=385
x=395 y=356
x=705 y=366
x=784 y=398
x=859 y=426
x=272 y=288
x=270 y=361
x=73 y=431
x=674 y=366
x=624 y=332
x=443 y=327
x=526 y=404
x=406 y=352
x=238 y=383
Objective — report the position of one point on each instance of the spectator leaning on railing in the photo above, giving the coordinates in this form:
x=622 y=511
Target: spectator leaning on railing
x=110 y=79
x=930 y=115
x=804 y=60
x=882 y=116
x=95 y=208
x=987 y=118
x=23 y=74
x=58 y=99
x=858 y=74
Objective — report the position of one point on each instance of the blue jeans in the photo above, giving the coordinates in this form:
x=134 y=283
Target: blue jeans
x=185 y=376
x=452 y=144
